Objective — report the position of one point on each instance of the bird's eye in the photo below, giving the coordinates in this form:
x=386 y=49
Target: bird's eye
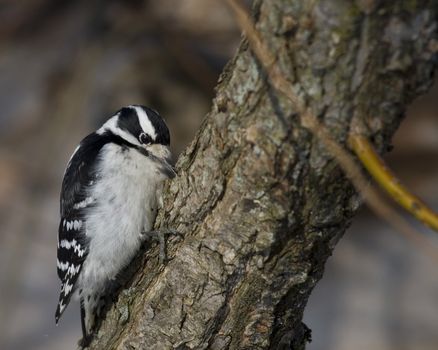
x=145 y=139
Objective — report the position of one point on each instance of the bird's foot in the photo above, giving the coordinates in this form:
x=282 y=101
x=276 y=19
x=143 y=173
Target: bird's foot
x=160 y=236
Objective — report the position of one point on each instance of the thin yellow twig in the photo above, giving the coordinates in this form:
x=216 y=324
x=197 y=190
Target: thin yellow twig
x=374 y=200
x=389 y=182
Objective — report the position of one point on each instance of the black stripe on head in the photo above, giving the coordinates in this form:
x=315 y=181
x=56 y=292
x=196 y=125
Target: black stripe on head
x=161 y=130
x=128 y=121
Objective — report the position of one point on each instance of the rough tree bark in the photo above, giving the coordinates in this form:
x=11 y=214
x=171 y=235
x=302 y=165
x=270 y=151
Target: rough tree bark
x=259 y=201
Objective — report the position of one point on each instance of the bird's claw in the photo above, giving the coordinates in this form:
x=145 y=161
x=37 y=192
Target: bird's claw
x=160 y=236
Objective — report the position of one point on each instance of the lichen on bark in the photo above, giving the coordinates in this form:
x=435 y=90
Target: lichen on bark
x=259 y=201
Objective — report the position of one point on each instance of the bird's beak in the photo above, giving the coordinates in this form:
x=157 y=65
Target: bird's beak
x=170 y=171
x=162 y=155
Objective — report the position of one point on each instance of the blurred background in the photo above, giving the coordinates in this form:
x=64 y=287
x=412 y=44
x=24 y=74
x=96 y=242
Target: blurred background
x=65 y=66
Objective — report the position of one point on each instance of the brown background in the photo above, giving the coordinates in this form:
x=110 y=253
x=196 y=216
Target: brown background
x=67 y=66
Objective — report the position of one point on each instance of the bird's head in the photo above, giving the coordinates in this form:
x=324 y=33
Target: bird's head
x=142 y=127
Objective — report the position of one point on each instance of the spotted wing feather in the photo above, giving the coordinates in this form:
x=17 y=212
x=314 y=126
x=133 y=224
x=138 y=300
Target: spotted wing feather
x=75 y=199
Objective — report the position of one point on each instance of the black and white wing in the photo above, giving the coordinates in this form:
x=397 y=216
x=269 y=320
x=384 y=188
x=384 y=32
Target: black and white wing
x=75 y=200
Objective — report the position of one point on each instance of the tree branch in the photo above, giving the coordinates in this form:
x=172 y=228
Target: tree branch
x=260 y=202
x=389 y=181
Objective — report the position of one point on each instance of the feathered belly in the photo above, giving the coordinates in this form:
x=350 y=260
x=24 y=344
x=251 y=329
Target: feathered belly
x=114 y=230
x=126 y=205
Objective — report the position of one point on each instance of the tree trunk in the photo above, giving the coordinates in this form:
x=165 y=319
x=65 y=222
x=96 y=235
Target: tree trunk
x=259 y=201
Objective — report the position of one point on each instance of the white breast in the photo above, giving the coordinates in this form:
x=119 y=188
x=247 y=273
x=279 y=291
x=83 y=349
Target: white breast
x=125 y=197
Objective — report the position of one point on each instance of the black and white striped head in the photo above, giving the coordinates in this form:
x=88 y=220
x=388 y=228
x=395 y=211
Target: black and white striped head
x=140 y=126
